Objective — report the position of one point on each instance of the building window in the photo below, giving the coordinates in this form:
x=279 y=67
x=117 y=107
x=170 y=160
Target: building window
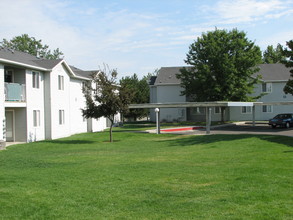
x=61 y=82
x=36 y=80
x=9 y=76
x=36 y=118
x=267 y=108
x=61 y=117
x=198 y=111
x=218 y=110
x=246 y=110
x=267 y=87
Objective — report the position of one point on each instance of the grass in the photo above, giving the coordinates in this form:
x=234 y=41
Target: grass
x=148 y=176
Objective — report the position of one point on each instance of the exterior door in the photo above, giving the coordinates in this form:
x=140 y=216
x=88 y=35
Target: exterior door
x=9 y=116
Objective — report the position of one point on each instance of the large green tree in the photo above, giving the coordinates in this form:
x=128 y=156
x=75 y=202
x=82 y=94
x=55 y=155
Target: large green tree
x=273 y=55
x=105 y=97
x=221 y=67
x=288 y=53
x=30 y=45
x=140 y=94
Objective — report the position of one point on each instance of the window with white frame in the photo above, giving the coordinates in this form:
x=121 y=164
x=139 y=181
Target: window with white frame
x=60 y=82
x=36 y=118
x=267 y=108
x=61 y=117
x=246 y=110
x=36 y=80
x=218 y=110
x=267 y=87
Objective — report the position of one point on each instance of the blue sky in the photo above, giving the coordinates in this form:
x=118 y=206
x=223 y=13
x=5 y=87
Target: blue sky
x=139 y=36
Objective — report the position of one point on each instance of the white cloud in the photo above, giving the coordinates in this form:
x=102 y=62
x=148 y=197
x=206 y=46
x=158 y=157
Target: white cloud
x=241 y=11
x=93 y=34
x=275 y=39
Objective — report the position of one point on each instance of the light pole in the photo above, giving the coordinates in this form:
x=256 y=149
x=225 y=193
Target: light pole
x=157 y=110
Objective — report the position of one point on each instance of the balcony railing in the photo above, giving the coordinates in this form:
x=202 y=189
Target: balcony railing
x=14 y=92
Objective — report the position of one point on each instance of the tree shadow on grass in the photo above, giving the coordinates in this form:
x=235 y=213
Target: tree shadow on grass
x=207 y=139
x=70 y=142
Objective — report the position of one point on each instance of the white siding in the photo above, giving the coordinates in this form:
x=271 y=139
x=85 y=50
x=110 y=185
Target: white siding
x=98 y=124
x=77 y=102
x=2 y=100
x=35 y=101
x=60 y=100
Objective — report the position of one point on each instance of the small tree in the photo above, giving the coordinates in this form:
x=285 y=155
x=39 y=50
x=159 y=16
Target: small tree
x=288 y=89
x=30 y=45
x=222 y=63
x=104 y=97
x=140 y=94
x=273 y=55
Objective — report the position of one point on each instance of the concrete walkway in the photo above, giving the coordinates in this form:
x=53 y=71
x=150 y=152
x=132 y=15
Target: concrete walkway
x=7 y=144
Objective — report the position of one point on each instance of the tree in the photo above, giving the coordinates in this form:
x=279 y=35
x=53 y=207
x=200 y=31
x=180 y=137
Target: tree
x=288 y=89
x=104 y=97
x=222 y=64
x=30 y=45
x=140 y=94
x=273 y=55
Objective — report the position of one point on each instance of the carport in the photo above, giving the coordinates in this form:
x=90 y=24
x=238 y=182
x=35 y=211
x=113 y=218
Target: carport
x=207 y=105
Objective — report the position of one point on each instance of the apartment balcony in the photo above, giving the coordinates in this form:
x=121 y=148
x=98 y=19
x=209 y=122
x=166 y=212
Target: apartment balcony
x=15 y=95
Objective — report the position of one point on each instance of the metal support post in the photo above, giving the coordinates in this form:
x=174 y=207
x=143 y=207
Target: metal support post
x=208 y=119
x=253 y=115
x=157 y=110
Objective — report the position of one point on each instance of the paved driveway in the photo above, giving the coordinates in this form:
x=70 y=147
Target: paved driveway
x=245 y=129
x=249 y=129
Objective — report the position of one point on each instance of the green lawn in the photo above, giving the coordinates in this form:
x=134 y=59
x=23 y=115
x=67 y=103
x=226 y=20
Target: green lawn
x=148 y=176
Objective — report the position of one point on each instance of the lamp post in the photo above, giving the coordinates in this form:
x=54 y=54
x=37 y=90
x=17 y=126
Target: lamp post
x=157 y=110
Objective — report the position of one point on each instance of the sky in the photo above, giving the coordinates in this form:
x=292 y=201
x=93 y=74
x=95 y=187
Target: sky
x=140 y=36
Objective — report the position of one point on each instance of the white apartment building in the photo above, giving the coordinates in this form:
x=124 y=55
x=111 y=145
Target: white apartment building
x=41 y=99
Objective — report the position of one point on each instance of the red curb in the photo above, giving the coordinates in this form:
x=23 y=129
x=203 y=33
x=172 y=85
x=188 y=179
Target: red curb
x=181 y=129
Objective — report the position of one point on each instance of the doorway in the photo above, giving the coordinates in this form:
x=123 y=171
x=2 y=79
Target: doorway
x=9 y=118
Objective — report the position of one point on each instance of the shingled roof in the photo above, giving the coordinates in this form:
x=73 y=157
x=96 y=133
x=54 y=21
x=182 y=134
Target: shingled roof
x=20 y=57
x=274 y=72
x=17 y=57
x=83 y=73
x=269 y=72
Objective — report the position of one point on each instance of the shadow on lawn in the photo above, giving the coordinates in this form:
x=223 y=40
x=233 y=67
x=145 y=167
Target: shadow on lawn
x=207 y=139
x=70 y=142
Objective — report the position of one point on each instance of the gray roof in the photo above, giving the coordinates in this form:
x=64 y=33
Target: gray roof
x=83 y=73
x=269 y=72
x=274 y=72
x=28 y=59
x=48 y=64
x=167 y=75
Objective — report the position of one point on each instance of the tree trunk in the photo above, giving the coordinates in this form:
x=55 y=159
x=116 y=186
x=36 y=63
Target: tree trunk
x=111 y=127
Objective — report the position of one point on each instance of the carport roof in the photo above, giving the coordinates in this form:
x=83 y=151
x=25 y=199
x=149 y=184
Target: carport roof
x=204 y=104
x=192 y=104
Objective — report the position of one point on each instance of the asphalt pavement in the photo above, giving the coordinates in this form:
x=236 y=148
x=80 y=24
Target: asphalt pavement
x=242 y=129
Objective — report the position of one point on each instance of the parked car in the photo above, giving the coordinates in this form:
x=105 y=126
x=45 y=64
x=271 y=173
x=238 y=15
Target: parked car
x=282 y=120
